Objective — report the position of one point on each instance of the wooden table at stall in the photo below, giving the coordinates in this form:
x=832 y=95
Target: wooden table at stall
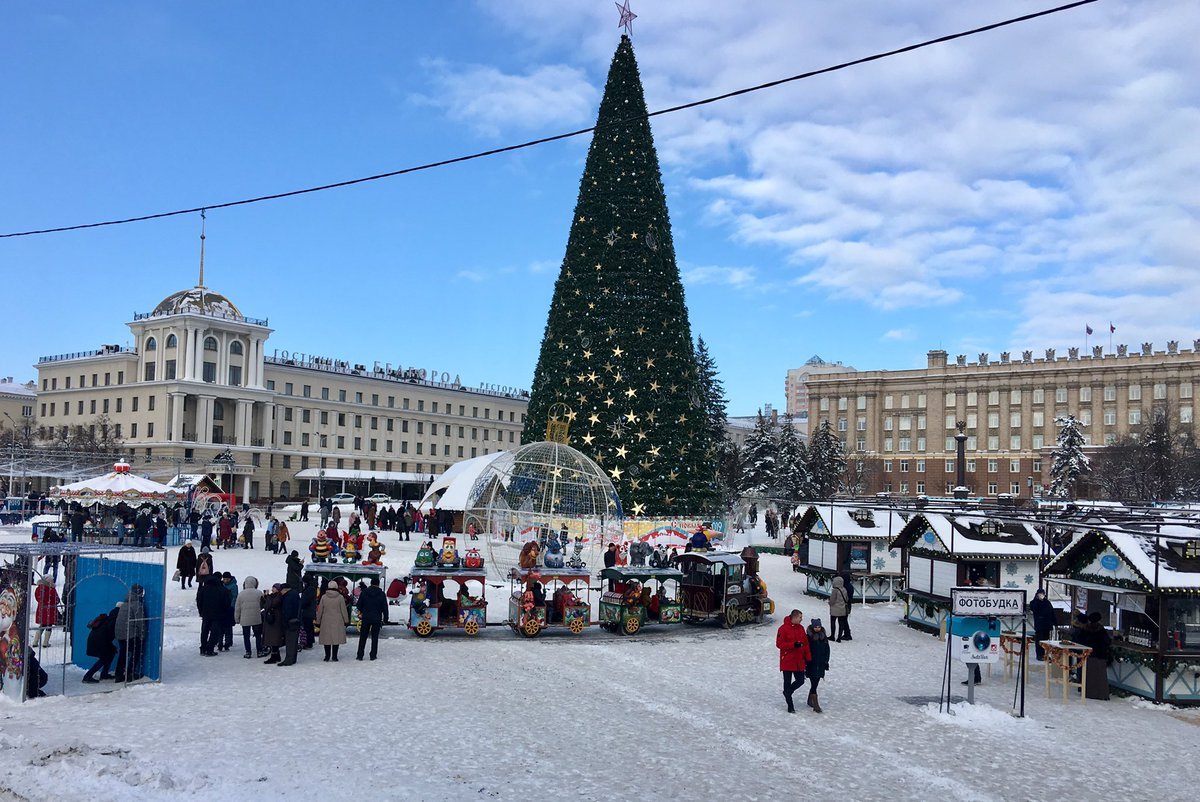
x=1013 y=650
x=1067 y=657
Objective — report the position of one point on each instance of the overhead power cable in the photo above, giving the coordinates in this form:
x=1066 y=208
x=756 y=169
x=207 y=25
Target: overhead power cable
x=565 y=135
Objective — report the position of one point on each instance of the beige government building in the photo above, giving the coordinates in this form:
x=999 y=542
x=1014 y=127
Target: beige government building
x=901 y=424
x=200 y=380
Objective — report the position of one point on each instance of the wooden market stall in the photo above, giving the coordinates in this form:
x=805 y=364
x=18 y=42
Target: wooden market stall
x=942 y=551
x=842 y=540
x=1145 y=583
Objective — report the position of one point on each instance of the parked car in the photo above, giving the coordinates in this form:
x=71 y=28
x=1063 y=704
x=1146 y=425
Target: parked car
x=343 y=498
x=379 y=498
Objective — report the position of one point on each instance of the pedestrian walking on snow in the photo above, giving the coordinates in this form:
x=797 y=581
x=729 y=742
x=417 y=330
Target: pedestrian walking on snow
x=839 y=610
x=373 y=611
x=332 y=619
x=794 y=654
x=247 y=613
x=818 y=664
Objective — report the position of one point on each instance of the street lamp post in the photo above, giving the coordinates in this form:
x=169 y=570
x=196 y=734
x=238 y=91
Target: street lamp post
x=12 y=461
x=960 y=464
x=227 y=459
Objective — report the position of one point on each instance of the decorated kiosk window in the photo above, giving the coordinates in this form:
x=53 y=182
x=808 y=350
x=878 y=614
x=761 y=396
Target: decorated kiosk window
x=1183 y=623
x=982 y=574
x=860 y=556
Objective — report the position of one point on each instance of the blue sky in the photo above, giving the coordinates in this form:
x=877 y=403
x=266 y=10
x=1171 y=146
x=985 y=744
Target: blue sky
x=995 y=193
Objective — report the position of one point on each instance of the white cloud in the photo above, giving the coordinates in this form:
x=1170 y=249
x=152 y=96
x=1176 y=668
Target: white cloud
x=540 y=266
x=1047 y=170
x=474 y=276
x=738 y=277
x=492 y=101
x=898 y=334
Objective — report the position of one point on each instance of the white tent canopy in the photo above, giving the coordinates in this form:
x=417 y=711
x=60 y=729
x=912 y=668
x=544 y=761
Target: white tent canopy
x=117 y=487
x=457 y=481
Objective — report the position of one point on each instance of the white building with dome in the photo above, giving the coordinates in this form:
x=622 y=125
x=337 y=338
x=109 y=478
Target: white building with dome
x=200 y=379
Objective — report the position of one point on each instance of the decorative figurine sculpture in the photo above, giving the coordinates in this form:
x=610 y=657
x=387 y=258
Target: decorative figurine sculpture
x=576 y=560
x=554 y=552
x=473 y=560
x=449 y=558
x=425 y=556
x=529 y=555
x=638 y=552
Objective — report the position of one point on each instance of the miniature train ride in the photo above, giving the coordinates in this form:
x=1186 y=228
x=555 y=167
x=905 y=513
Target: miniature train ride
x=549 y=591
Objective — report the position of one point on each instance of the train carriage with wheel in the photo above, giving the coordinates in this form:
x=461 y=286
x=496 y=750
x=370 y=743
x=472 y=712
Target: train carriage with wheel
x=722 y=586
x=639 y=595
x=442 y=598
x=549 y=598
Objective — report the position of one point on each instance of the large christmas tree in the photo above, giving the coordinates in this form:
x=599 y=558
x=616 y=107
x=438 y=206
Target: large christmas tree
x=617 y=354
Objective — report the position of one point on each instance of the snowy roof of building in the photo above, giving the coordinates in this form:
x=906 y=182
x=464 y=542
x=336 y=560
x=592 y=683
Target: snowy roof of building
x=1141 y=551
x=836 y=522
x=965 y=535
x=10 y=387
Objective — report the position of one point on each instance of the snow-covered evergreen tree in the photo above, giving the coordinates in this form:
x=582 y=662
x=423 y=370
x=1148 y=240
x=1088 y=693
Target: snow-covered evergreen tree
x=760 y=459
x=1069 y=461
x=730 y=473
x=792 y=478
x=826 y=461
x=712 y=393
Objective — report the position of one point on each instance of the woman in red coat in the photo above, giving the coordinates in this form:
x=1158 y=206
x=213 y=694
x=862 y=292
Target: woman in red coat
x=47 y=610
x=794 y=654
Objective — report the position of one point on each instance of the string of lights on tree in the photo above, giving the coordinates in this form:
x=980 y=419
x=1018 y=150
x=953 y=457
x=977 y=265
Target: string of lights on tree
x=617 y=349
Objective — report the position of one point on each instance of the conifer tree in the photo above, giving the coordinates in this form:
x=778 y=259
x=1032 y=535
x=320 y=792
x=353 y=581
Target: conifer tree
x=760 y=463
x=826 y=461
x=1069 y=461
x=794 y=482
x=617 y=352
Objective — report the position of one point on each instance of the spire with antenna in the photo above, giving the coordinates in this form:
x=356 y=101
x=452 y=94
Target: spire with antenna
x=200 y=283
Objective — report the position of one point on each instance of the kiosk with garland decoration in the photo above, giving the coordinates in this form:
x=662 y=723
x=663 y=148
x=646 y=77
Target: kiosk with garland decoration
x=946 y=551
x=1145 y=583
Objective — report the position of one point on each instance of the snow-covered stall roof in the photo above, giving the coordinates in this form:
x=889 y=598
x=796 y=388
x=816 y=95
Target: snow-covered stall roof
x=115 y=487
x=966 y=534
x=1140 y=551
x=835 y=522
x=457 y=482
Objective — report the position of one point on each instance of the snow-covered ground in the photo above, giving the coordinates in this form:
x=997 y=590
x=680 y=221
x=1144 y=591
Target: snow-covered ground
x=686 y=712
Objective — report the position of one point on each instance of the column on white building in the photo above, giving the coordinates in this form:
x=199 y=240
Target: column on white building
x=243 y=412
x=204 y=419
x=176 y=421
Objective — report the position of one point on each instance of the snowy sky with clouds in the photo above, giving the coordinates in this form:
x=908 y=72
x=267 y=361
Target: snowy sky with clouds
x=994 y=193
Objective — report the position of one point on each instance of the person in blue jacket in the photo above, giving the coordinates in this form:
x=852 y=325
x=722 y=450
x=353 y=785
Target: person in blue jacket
x=699 y=540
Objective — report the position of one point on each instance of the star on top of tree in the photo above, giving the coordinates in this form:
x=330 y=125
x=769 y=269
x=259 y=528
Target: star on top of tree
x=627 y=17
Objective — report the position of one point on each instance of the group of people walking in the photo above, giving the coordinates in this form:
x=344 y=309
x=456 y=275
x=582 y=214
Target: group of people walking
x=289 y=617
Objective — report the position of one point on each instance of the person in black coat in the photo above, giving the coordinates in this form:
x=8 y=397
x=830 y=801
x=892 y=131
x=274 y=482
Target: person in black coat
x=373 y=611
x=1043 y=620
x=141 y=528
x=206 y=530
x=101 y=644
x=35 y=676
x=212 y=601
x=289 y=609
x=818 y=644
x=308 y=609
x=248 y=532
x=295 y=571
x=160 y=532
